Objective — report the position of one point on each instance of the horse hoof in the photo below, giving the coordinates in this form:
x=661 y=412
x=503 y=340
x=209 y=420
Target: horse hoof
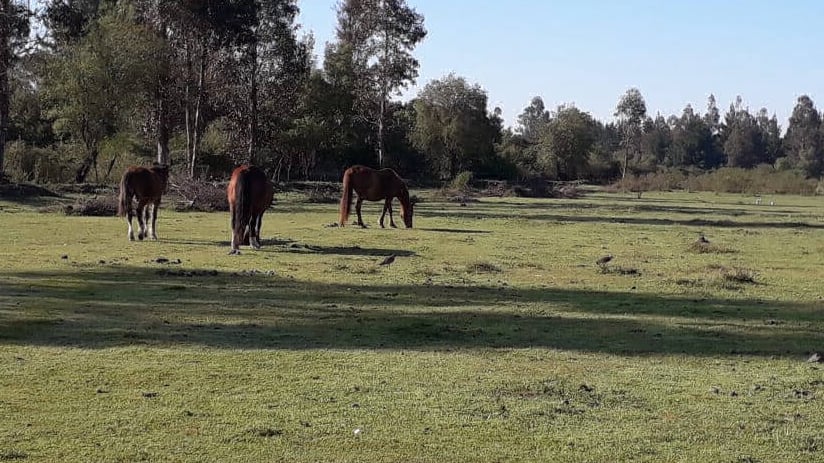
x=234 y=252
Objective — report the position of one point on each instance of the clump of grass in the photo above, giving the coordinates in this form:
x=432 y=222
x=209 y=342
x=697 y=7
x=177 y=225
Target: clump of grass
x=365 y=269
x=619 y=270
x=739 y=275
x=483 y=267
x=10 y=455
x=700 y=247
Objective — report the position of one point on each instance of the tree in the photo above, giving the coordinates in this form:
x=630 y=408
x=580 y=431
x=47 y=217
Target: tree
x=692 y=141
x=378 y=36
x=453 y=126
x=803 y=142
x=631 y=112
x=14 y=28
x=567 y=141
x=770 y=133
x=533 y=120
x=742 y=140
x=95 y=85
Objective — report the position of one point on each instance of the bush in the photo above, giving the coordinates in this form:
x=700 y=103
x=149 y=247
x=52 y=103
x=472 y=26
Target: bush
x=199 y=195
x=99 y=206
x=763 y=179
x=461 y=182
x=26 y=163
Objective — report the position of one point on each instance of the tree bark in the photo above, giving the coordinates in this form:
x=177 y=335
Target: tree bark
x=187 y=97
x=5 y=64
x=253 y=103
x=201 y=96
x=162 y=130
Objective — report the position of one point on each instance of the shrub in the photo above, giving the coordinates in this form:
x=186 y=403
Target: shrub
x=461 y=182
x=199 y=195
x=99 y=206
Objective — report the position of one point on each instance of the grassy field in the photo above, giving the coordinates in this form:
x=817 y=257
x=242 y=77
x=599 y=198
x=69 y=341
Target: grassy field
x=493 y=337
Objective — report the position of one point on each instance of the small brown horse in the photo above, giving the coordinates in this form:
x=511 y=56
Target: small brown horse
x=147 y=185
x=374 y=185
x=250 y=193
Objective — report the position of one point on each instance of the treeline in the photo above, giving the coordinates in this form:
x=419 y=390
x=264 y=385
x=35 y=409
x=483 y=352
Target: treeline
x=208 y=85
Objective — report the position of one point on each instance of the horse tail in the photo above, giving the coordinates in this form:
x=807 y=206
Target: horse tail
x=124 y=204
x=242 y=210
x=346 y=198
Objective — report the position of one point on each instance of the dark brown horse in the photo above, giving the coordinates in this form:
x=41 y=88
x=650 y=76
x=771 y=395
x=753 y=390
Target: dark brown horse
x=250 y=193
x=147 y=185
x=374 y=185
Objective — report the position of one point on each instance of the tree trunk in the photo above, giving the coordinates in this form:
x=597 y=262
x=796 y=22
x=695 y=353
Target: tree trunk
x=87 y=165
x=253 y=102
x=201 y=96
x=163 y=109
x=5 y=64
x=187 y=97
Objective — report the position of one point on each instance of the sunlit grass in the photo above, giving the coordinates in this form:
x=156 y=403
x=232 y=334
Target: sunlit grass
x=494 y=336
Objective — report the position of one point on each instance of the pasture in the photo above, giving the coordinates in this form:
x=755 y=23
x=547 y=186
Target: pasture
x=493 y=337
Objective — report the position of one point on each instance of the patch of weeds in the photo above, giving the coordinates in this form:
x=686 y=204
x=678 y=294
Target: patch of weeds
x=365 y=269
x=340 y=266
x=10 y=455
x=700 y=247
x=619 y=270
x=811 y=444
x=265 y=432
x=483 y=267
x=739 y=275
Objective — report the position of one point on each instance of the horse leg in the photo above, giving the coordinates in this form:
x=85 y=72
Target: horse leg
x=387 y=206
x=391 y=220
x=155 y=208
x=256 y=225
x=358 y=205
x=129 y=216
x=141 y=219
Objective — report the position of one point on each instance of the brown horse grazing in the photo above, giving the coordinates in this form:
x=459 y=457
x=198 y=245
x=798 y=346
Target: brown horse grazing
x=374 y=185
x=147 y=185
x=250 y=193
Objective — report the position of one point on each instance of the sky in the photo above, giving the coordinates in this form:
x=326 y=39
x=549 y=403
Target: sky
x=588 y=53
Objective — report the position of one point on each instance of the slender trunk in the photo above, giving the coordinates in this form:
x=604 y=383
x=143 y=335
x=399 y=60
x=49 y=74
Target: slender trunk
x=188 y=101
x=201 y=96
x=5 y=64
x=253 y=101
x=163 y=109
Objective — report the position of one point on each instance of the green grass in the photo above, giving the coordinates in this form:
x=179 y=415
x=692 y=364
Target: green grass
x=493 y=337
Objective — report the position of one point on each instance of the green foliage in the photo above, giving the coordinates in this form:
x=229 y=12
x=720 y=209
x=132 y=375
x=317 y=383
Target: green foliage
x=566 y=143
x=761 y=180
x=25 y=163
x=462 y=181
x=453 y=125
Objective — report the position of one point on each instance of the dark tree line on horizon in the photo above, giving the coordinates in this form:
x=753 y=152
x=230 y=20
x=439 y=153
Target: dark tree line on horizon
x=208 y=85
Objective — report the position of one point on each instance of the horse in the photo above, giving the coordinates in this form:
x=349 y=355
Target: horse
x=374 y=185
x=250 y=193
x=147 y=185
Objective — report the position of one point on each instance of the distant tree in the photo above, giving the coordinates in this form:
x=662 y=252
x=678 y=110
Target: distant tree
x=378 y=37
x=631 y=112
x=657 y=139
x=692 y=142
x=803 y=142
x=567 y=141
x=14 y=28
x=453 y=125
x=533 y=120
x=743 y=142
x=770 y=133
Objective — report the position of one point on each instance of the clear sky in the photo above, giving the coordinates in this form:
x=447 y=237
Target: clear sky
x=590 y=52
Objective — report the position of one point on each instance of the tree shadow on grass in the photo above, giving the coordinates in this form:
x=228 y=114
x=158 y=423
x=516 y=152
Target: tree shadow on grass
x=137 y=306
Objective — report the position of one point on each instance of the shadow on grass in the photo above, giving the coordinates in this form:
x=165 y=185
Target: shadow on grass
x=455 y=230
x=287 y=245
x=137 y=306
x=496 y=213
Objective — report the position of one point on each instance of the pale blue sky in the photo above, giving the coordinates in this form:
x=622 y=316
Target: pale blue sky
x=590 y=52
